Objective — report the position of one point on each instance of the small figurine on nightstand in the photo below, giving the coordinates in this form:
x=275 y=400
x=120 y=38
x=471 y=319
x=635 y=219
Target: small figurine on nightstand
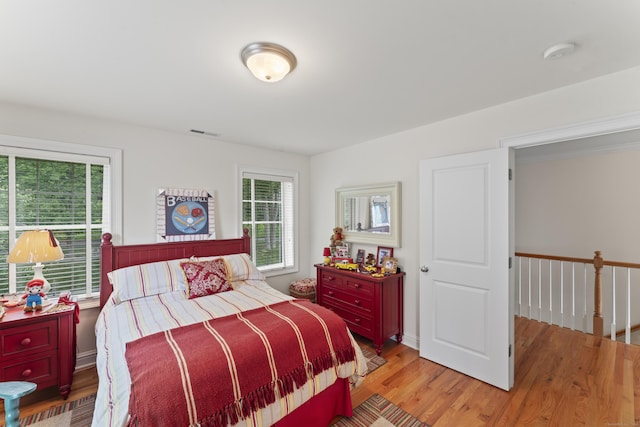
x=34 y=295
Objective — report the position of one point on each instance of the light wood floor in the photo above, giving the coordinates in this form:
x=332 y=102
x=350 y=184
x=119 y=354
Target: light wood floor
x=562 y=378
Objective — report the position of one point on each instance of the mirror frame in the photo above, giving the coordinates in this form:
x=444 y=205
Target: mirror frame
x=392 y=189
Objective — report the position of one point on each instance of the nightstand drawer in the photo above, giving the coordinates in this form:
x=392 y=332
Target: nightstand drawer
x=36 y=337
x=39 y=368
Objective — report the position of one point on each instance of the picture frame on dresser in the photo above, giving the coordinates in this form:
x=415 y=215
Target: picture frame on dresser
x=390 y=264
x=342 y=251
x=383 y=251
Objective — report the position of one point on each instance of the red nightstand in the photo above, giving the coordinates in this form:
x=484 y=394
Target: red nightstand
x=38 y=347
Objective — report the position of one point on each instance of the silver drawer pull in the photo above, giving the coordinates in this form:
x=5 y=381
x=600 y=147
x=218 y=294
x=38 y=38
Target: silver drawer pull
x=26 y=373
x=26 y=341
x=357 y=285
x=357 y=302
x=357 y=320
x=330 y=292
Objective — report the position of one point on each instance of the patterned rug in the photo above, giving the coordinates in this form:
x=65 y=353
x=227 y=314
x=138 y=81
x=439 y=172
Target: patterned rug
x=79 y=413
x=377 y=411
x=373 y=360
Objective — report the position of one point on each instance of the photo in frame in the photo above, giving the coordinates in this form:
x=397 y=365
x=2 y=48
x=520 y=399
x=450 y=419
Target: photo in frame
x=360 y=256
x=390 y=265
x=185 y=214
x=342 y=251
x=383 y=251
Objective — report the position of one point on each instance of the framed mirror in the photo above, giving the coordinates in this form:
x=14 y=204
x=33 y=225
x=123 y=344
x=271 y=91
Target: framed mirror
x=370 y=213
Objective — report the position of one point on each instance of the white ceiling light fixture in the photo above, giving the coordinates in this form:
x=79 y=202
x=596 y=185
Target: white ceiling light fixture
x=559 y=50
x=268 y=62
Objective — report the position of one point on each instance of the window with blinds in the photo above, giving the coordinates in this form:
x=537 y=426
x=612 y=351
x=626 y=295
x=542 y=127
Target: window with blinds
x=62 y=192
x=268 y=212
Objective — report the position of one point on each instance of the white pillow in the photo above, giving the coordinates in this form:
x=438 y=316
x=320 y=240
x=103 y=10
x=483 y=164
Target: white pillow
x=239 y=267
x=143 y=280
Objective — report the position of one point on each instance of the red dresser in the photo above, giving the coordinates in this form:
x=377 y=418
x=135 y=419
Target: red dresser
x=371 y=306
x=38 y=347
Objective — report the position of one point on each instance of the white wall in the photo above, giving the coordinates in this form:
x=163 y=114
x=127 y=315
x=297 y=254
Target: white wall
x=574 y=206
x=154 y=159
x=396 y=158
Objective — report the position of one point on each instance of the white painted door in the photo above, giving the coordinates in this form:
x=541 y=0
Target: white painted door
x=466 y=307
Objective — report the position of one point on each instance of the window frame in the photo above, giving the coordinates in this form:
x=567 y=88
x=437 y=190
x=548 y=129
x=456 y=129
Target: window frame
x=276 y=174
x=62 y=151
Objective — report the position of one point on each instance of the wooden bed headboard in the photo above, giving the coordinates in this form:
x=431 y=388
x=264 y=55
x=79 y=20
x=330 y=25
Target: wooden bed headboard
x=114 y=257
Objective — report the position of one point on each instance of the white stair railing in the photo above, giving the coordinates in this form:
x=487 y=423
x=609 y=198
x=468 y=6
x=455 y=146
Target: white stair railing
x=568 y=291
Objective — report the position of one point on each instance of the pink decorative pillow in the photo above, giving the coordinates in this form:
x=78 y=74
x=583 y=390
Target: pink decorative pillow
x=206 y=277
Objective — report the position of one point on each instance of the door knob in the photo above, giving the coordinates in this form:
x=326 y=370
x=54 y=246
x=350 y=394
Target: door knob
x=424 y=269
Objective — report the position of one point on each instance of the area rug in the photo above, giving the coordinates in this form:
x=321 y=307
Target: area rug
x=373 y=360
x=377 y=411
x=79 y=413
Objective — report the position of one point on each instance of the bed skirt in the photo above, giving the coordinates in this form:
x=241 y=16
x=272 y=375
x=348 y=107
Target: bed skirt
x=319 y=411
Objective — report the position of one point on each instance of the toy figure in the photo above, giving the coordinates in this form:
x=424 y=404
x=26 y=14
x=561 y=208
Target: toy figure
x=371 y=260
x=336 y=237
x=34 y=295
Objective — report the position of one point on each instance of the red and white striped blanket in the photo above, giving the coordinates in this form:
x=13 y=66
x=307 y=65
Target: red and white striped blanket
x=216 y=372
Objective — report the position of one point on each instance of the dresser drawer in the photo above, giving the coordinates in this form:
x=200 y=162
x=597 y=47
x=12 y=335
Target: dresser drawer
x=359 y=301
x=39 y=368
x=330 y=279
x=358 y=323
x=361 y=288
x=23 y=340
x=353 y=285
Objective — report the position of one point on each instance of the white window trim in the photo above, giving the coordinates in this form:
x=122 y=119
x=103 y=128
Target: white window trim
x=53 y=150
x=241 y=170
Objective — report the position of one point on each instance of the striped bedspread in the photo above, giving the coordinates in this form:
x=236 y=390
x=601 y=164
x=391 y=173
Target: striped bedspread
x=119 y=324
x=219 y=371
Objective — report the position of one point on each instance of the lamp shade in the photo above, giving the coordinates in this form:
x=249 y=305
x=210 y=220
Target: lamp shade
x=36 y=246
x=326 y=252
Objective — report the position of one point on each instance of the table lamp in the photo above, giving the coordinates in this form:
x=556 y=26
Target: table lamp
x=36 y=246
x=327 y=256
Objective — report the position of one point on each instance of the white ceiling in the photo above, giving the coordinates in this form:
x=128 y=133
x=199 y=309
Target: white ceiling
x=366 y=68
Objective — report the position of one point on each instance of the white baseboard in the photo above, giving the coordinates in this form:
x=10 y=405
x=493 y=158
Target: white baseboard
x=86 y=359
x=408 y=340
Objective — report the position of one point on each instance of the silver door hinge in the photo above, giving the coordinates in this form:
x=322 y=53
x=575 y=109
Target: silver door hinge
x=510 y=174
x=509 y=350
x=510 y=262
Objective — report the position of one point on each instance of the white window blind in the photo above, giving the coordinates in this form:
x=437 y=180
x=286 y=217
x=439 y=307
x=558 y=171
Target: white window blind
x=67 y=193
x=268 y=211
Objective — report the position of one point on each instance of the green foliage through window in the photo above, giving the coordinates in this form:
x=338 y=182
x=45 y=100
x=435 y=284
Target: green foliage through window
x=52 y=194
x=267 y=211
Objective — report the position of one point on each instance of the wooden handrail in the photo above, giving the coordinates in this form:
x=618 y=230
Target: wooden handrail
x=582 y=260
x=598 y=263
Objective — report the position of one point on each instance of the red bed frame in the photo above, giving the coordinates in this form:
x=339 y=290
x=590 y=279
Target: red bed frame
x=317 y=412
